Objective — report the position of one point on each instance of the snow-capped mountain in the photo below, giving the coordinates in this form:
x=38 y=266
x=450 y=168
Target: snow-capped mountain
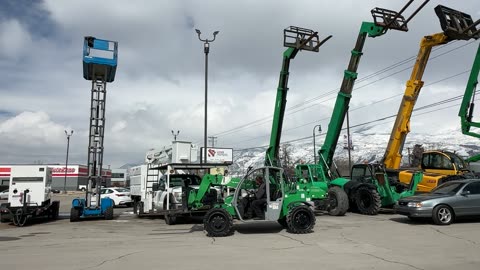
x=369 y=146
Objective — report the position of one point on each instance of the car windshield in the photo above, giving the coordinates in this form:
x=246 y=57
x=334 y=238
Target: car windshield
x=122 y=190
x=447 y=188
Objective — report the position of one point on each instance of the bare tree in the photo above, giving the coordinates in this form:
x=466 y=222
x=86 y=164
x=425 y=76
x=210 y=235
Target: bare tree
x=286 y=159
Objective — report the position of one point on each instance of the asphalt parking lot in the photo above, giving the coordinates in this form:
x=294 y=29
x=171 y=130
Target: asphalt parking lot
x=386 y=241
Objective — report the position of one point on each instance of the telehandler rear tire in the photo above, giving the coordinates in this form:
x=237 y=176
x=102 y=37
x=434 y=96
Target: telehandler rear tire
x=218 y=223
x=300 y=220
x=338 y=201
x=367 y=200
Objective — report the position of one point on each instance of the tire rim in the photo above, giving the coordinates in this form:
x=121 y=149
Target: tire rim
x=444 y=215
x=218 y=223
x=302 y=220
x=365 y=199
x=333 y=200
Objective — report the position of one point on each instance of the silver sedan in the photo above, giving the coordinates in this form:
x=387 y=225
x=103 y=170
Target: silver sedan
x=445 y=203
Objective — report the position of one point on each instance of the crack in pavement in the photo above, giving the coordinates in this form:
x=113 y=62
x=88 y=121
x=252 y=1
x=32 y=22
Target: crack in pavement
x=111 y=260
x=348 y=239
x=213 y=241
x=294 y=239
x=395 y=262
x=456 y=237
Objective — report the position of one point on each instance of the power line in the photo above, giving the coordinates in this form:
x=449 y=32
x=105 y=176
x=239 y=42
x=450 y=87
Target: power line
x=393 y=66
x=360 y=107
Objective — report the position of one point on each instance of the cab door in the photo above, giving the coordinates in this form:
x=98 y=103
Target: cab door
x=274 y=185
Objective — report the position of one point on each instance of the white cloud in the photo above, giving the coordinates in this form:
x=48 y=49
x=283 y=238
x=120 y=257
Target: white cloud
x=14 y=39
x=31 y=129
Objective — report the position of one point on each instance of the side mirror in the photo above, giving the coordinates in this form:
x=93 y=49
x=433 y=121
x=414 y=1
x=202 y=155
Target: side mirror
x=465 y=192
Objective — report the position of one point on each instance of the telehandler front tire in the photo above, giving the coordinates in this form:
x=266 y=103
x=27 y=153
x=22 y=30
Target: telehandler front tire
x=300 y=220
x=218 y=223
x=367 y=200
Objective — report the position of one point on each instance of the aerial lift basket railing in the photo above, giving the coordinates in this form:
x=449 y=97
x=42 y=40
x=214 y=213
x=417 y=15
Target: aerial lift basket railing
x=302 y=39
x=456 y=24
x=389 y=19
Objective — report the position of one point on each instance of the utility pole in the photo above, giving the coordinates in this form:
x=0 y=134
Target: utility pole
x=212 y=139
x=206 y=50
x=314 y=150
x=66 y=161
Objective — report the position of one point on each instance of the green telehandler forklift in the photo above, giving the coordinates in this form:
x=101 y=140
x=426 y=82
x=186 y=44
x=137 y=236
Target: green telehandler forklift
x=285 y=201
x=364 y=196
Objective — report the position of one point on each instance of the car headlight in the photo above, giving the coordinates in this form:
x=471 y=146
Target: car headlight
x=414 y=204
x=177 y=196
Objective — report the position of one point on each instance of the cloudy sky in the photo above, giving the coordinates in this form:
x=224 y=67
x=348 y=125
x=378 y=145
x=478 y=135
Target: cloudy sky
x=159 y=83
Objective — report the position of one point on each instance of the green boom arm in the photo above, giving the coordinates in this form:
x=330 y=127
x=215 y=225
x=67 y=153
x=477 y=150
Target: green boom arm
x=344 y=95
x=466 y=109
x=271 y=158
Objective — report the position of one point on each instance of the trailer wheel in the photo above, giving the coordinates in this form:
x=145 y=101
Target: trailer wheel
x=338 y=201
x=368 y=200
x=19 y=218
x=218 y=223
x=74 y=215
x=109 y=213
x=300 y=220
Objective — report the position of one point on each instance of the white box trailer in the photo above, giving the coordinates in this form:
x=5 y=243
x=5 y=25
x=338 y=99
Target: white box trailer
x=29 y=195
x=138 y=183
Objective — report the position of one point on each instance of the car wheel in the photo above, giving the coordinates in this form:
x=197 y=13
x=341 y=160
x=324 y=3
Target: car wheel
x=443 y=215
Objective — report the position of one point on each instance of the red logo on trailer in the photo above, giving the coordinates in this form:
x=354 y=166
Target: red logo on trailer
x=5 y=171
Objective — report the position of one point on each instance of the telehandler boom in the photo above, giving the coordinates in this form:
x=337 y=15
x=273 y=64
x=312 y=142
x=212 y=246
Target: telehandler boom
x=456 y=26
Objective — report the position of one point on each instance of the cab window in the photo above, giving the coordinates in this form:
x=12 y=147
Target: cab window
x=436 y=161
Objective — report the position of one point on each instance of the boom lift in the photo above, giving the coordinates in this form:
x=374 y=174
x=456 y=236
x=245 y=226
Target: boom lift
x=99 y=66
x=456 y=26
x=364 y=196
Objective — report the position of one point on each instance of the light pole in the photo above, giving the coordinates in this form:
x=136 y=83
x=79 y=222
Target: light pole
x=175 y=135
x=314 y=151
x=206 y=49
x=66 y=162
